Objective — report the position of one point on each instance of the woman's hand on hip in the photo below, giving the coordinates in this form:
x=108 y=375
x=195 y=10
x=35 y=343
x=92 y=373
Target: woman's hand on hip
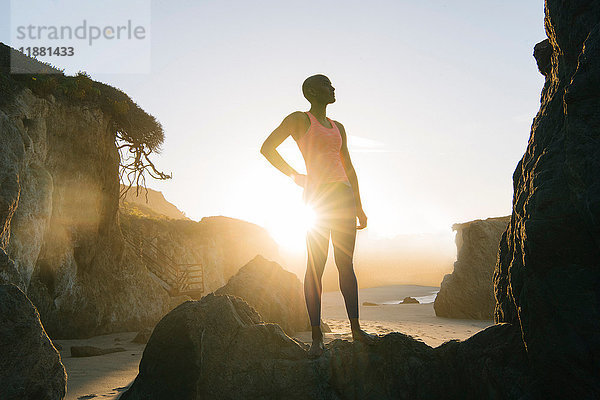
x=362 y=218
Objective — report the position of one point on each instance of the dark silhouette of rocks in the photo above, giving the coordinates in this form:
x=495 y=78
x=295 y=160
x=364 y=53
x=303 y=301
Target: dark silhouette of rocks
x=410 y=300
x=91 y=351
x=219 y=348
x=31 y=367
x=276 y=294
x=468 y=292
x=547 y=280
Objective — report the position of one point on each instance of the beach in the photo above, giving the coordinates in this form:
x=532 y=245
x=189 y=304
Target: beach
x=107 y=376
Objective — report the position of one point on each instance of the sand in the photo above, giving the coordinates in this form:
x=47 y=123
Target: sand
x=107 y=376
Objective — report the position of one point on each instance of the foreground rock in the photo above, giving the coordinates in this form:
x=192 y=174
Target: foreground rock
x=548 y=275
x=275 y=293
x=468 y=292
x=218 y=348
x=31 y=367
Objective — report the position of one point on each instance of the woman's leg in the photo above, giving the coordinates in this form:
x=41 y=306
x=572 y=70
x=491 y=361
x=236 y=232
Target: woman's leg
x=317 y=243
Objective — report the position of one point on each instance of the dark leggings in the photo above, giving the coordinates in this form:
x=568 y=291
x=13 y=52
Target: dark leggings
x=335 y=211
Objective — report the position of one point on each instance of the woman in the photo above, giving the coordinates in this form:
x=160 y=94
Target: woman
x=331 y=189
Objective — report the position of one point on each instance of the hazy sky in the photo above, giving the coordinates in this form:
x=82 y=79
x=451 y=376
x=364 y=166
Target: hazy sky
x=437 y=98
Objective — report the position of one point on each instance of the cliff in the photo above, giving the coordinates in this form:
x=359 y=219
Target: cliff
x=60 y=234
x=547 y=279
x=468 y=292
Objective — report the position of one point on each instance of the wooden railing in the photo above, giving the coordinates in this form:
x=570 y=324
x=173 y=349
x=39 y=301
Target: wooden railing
x=178 y=278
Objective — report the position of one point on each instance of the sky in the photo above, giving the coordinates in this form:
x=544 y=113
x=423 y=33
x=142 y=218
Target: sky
x=437 y=98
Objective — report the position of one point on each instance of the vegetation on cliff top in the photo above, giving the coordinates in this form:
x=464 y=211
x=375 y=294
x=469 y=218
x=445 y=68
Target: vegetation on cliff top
x=137 y=134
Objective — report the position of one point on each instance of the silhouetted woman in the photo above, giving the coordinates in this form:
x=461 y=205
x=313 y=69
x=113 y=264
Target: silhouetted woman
x=331 y=189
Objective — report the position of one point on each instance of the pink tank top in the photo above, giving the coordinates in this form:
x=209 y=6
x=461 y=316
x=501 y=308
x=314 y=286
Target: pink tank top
x=320 y=147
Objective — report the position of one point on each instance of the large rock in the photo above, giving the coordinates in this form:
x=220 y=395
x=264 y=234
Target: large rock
x=275 y=293
x=548 y=275
x=31 y=368
x=468 y=292
x=218 y=348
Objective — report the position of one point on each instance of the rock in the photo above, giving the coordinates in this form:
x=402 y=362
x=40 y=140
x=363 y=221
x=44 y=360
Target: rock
x=547 y=279
x=219 y=348
x=142 y=336
x=275 y=293
x=91 y=351
x=31 y=366
x=369 y=304
x=410 y=300
x=468 y=292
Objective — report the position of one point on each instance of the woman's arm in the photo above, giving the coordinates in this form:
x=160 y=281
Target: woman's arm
x=289 y=126
x=351 y=174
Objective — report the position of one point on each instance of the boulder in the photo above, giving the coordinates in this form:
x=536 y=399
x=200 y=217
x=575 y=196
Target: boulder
x=547 y=279
x=218 y=348
x=275 y=293
x=31 y=366
x=469 y=292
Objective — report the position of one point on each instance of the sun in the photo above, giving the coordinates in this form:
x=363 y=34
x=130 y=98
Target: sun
x=290 y=224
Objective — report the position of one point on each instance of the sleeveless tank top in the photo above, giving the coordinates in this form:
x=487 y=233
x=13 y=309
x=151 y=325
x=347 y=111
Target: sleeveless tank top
x=320 y=146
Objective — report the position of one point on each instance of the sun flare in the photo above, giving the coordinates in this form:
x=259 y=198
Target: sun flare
x=290 y=226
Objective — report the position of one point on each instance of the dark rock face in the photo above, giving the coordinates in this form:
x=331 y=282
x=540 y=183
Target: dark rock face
x=275 y=293
x=468 y=292
x=31 y=367
x=218 y=348
x=547 y=279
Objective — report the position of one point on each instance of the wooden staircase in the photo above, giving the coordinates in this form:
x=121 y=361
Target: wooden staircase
x=177 y=279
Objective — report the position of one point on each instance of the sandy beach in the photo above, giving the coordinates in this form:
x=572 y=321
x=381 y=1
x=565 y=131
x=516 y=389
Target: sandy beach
x=107 y=376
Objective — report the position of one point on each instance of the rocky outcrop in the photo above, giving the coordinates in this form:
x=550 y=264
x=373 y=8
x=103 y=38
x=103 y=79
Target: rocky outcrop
x=219 y=348
x=31 y=366
x=59 y=168
x=468 y=292
x=60 y=236
x=275 y=293
x=547 y=280
x=222 y=245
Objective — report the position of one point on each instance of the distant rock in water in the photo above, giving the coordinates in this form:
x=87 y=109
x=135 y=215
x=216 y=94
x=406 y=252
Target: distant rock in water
x=31 y=367
x=547 y=280
x=275 y=293
x=218 y=348
x=369 y=304
x=151 y=203
x=410 y=300
x=468 y=292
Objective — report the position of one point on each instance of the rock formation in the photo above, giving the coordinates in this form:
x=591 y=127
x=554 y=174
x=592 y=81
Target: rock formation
x=221 y=244
x=468 y=292
x=219 y=348
x=58 y=209
x=60 y=235
x=547 y=280
x=275 y=293
x=31 y=367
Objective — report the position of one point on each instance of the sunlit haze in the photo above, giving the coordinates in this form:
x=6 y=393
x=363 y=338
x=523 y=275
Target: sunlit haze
x=437 y=98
